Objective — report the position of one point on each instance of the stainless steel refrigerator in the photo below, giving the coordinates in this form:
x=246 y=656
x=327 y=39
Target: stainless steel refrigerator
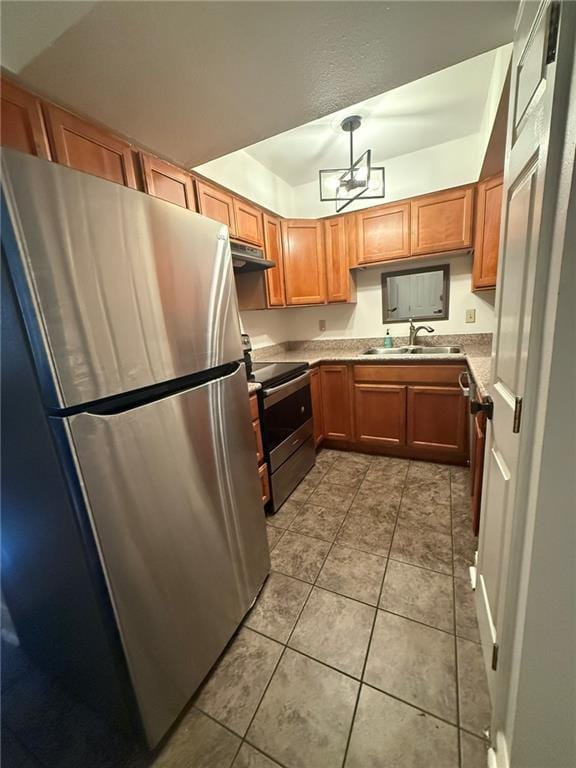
x=133 y=531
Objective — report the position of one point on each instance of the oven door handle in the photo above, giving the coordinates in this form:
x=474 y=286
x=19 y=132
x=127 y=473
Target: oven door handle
x=286 y=389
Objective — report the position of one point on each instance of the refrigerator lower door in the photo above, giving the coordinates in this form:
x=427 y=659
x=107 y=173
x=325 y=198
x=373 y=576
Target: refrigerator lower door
x=173 y=494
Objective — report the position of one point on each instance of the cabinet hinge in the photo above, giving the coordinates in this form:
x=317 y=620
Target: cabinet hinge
x=517 y=414
x=553 y=24
x=495 y=656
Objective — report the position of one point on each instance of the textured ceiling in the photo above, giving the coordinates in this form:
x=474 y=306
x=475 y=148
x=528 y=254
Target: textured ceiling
x=196 y=80
x=440 y=107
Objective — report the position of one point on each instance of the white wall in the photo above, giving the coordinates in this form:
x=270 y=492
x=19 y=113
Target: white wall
x=246 y=176
x=444 y=165
x=499 y=72
x=364 y=318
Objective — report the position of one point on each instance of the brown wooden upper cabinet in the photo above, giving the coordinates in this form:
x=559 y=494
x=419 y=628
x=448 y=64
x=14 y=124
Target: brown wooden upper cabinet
x=338 y=280
x=86 y=147
x=336 y=404
x=216 y=204
x=304 y=269
x=383 y=233
x=249 y=225
x=22 y=121
x=276 y=294
x=167 y=181
x=487 y=241
x=442 y=221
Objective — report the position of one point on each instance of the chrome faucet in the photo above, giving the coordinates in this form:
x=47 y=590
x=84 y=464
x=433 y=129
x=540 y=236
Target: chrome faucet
x=415 y=330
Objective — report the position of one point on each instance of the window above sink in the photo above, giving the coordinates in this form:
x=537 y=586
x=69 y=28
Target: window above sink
x=422 y=293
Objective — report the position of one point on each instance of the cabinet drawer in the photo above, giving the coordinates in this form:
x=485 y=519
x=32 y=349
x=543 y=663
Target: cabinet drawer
x=265 y=482
x=409 y=374
x=254 y=407
x=258 y=440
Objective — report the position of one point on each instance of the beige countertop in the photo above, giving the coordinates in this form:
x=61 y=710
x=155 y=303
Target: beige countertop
x=350 y=351
x=253 y=387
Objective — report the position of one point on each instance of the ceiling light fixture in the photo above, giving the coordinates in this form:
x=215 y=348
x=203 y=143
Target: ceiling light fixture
x=360 y=179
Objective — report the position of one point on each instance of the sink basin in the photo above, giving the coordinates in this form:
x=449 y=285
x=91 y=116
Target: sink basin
x=435 y=350
x=413 y=351
x=387 y=351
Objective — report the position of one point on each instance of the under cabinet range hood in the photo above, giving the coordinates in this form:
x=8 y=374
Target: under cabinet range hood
x=247 y=258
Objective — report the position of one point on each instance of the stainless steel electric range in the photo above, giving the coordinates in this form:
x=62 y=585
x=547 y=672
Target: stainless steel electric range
x=287 y=430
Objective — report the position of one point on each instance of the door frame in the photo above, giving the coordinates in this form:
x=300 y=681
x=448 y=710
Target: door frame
x=533 y=567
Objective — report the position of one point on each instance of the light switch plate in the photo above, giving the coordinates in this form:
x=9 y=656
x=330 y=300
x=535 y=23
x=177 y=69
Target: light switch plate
x=322 y=325
x=470 y=315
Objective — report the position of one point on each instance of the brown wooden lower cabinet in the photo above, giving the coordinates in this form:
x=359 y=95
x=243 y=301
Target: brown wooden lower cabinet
x=412 y=411
x=317 y=411
x=336 y=402
x=436 y=419
x=380 y=414
x=477 y=467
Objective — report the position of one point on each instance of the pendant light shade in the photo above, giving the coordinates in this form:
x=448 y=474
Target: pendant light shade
x=360 y=179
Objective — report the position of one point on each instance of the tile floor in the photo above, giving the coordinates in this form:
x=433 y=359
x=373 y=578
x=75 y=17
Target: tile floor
x=361 y=650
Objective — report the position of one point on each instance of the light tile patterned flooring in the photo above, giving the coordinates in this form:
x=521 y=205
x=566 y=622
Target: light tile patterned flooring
x=361 y=651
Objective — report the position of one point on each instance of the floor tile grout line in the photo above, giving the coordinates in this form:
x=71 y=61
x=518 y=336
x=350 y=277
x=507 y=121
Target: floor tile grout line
x=457 y=682
x=369 y=644
x=30 y=754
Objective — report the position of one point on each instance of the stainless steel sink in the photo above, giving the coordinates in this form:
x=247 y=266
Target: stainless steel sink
x=387 y=351
x=413 y=351
x=436 y=350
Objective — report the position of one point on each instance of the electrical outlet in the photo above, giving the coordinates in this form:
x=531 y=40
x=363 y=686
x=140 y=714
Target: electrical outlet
x=322 y=325
x=470 y=315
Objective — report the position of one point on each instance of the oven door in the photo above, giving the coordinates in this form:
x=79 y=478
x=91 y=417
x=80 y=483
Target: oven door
x=287 y=418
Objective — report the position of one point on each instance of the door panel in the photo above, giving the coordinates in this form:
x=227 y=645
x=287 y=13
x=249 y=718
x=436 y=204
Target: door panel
x=441 y=221
x=304 y=272
x=380 y=414
x=336 y=405
x=138 y=292
x=487 y=241
x=248 y=222
x=216 y=204
x=168 y=182
x=86 y=147
x=274 y=276
x=528 y=195
x=383 y=233
x=173 y=493
x=337 y=267
x=22 y=122
x=437 y=419
x=317 y=410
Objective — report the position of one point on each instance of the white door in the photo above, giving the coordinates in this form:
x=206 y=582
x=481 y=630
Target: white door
x=528 y=184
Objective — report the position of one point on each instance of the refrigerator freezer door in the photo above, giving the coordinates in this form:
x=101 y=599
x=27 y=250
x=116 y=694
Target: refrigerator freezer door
x=120 y=290
x=173 y=494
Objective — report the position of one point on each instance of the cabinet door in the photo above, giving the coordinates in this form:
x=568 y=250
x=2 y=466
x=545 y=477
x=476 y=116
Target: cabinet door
x=477 y=468
x=380 y=414
x=248 y=222
x=85 y=147
x=22 y=121
x=383 y=233
x=216 y=204
x=304 y=273
x=258 y=441
x=487 y=241
x=442 y=221
x=336 y=405
x=275 y=275
x=317 y=413
x=351 y=238
x=337 y=267
x=437 y=419
x=168 y=182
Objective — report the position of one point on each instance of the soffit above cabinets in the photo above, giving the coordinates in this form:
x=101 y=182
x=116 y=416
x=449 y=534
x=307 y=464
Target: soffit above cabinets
x=197 y=80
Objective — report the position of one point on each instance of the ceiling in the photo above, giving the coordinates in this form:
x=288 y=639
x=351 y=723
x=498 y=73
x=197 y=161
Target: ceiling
x=196 y=80
x=440 y=107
